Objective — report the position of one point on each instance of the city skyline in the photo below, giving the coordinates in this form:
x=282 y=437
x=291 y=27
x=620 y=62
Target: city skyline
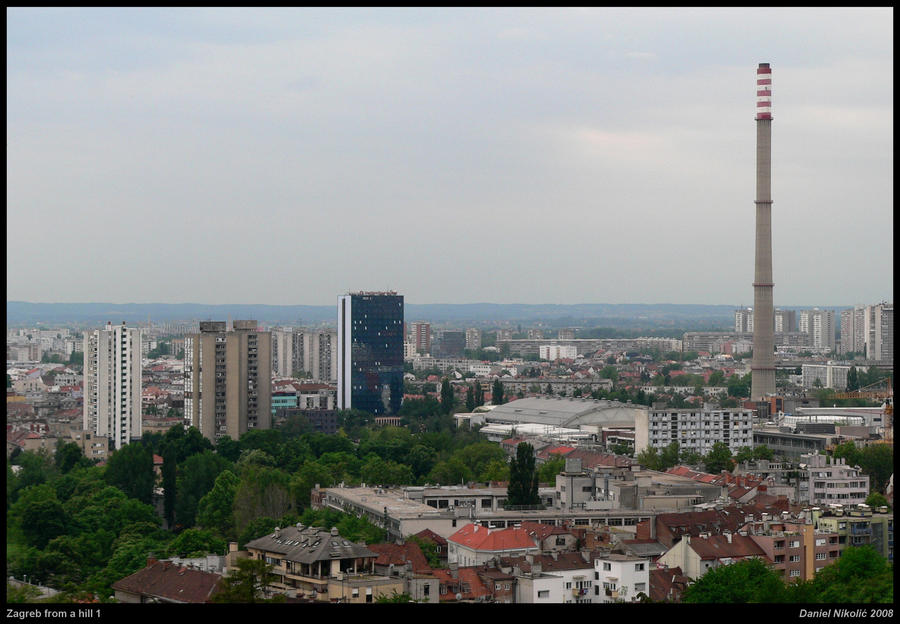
x=468 y=155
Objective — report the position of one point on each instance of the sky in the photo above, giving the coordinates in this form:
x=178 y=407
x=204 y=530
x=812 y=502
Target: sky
x=584 y=155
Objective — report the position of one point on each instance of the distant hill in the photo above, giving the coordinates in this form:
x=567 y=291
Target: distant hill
x=582 y=314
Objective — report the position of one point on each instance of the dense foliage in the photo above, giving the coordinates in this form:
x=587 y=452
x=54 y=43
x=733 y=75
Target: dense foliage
x=79 y=527
x=860 y=576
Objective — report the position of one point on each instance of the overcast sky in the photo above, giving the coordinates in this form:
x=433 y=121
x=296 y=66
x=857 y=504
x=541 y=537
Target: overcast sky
x=286 y=156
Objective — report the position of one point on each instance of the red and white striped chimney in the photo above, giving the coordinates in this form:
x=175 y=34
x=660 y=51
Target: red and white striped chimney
x=764 y=91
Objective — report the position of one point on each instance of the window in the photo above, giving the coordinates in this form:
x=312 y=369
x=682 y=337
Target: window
x=795 y=573
x=795 y=543
x=638 y=567
x=820 y=556
x=606 y=566
x=795 y=558
x=640 y=587
x=544 y=593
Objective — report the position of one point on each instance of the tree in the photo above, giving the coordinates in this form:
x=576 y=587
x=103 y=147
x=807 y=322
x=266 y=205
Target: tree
x=860 y=576
x=877 y=461
x=68 y=455
x=876 y=499
x=470 y=399
x=649 y=458
x=523 y=478
x=446 y=396
x=479 y=394
x=263 y=492
x=196 y=543
x=131 y=470
x=169 y=483
x=214 y=511
x=247 y=584
x=497 y=393
x=550 y=468
x=852 y=379
x=718 y=458
x=196 y=477
x=669 y=456
x=747 y=581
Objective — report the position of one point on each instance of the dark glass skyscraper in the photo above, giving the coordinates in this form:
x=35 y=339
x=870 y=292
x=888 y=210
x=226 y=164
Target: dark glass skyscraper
x=370 y=352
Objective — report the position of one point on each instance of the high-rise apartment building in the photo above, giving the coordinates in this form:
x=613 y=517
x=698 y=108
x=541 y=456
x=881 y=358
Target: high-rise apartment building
x=370 y=352
x=819 y=326
x=473 y=338
x=420 y=335
x=743 y=321
x=228 y=379
x=879 y=331
x=112 y=384
x=785 y=321
x=283 y=351
x=853 y=337
x=315 y=353
x=450 y=343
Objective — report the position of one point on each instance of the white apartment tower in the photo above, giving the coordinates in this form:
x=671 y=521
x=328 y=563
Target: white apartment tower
x=819 y=325
x=112 y=384
x=853 y=334
x=282 y=351
x=314 y=351
x=879 y=331
x=743 y=321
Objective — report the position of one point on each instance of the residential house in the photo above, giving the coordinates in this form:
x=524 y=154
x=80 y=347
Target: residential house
x=462 y=584
x=797 y=550
x=440 y=543
x=859 y=526
x=621 y=578
x=696 y=555
x=574 y=571
x=166 y=582
x=475 y=545
x=667 y=584
x=409 y=563
x=550 y=537
x=310 y=562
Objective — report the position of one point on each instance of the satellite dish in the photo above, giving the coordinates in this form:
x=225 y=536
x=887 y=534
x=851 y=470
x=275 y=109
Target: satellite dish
x=459 y=596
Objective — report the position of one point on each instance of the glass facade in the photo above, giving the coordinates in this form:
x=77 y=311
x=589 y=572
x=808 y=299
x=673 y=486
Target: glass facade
x=375 y=324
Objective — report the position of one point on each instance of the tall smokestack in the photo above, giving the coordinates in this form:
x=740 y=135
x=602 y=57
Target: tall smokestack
x=763 y=366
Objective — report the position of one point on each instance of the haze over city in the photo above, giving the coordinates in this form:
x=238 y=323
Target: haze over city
x=284 y=156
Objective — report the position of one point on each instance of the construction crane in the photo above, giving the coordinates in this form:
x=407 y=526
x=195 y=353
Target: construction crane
x=885 y=393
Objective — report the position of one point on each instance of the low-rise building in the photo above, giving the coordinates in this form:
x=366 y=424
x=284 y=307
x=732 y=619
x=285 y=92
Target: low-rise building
x=859 y=526
x=475 y=545
x=621 y=578
x=698 y=555
x=831 y=481
x=168 y=582
x=312 y=563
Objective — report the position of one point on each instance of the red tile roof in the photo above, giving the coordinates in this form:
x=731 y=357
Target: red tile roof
x=400 y=555
x=481 y=538
x=543 y=531
x=736 y=546
x=466 y=583
x=667 y=584
x=556 y=450
x=428 y=534
x=163 y=579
